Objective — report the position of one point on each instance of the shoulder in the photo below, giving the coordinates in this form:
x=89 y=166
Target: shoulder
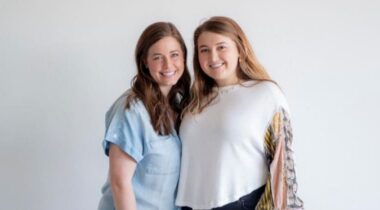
x=265 y=86
x=120 y=109
x=273 y=94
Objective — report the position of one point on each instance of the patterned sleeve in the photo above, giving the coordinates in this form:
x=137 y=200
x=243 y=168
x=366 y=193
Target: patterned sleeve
x=281 y=186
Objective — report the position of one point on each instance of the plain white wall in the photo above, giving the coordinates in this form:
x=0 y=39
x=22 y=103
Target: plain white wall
x=64 y=62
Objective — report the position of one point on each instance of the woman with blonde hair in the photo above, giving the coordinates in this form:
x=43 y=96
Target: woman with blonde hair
x=236 y=133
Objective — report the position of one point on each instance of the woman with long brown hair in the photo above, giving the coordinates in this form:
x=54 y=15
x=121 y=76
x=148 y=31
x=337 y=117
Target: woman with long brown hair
x=141 y=126
x=236 y=133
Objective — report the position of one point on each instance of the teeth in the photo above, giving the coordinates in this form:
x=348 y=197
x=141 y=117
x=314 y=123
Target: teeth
x=168 y=74
x=216 y=65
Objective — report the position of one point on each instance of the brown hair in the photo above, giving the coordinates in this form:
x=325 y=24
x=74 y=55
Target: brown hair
x=145 y=88
x=249 y=67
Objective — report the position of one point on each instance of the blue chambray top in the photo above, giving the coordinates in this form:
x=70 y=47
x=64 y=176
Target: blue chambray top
x=158 y=157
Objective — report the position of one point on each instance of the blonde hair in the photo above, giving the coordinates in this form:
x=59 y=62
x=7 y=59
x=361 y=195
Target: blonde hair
x=249 y=68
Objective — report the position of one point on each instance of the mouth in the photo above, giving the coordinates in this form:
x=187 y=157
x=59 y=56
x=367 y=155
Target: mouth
x=216 y=65
x=168 y=73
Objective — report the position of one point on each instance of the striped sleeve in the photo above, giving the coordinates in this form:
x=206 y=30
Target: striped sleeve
x=281 y=187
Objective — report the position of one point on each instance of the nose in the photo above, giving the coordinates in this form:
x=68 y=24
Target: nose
x=213 y=55
x=168 y=64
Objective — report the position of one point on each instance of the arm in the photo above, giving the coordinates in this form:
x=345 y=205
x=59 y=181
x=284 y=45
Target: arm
x=281 y=186
x=122 y=168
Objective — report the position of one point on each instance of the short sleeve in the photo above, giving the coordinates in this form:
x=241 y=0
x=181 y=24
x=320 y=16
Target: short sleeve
x=125 y=129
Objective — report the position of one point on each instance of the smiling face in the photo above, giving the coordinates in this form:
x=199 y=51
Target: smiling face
x=218 y=57
x=165 y=61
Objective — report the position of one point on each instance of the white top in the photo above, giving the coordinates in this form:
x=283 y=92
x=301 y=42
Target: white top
x=223 y=155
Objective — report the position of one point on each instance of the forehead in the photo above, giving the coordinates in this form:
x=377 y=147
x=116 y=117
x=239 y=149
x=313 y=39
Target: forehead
x=165 y=45
x=210 y=38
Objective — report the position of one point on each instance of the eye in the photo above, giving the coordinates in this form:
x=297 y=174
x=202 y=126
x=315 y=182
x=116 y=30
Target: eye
x=157 y=58
x=203 y=50
x=222 y=47
x=174 y=55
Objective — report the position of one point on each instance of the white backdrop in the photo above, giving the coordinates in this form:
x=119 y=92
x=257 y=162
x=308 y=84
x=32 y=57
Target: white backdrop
x=62 y=64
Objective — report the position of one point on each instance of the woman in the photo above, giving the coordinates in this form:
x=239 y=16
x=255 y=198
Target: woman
x=140 y=139
x=236 y=135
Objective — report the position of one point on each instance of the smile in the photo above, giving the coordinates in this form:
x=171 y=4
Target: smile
x=216 y=65
x=167 y=74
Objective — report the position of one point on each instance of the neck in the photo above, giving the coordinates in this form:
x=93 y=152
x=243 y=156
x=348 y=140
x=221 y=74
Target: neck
x=228 y=83
x=165 y=91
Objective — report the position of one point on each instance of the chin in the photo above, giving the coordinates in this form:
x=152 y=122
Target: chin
x=169 y=83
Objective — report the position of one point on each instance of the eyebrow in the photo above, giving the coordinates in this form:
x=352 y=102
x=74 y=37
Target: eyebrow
x=154 y=54
x=219 y=43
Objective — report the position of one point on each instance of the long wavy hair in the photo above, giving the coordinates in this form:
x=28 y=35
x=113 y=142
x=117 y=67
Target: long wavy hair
x=249 y=68
x=163 y=111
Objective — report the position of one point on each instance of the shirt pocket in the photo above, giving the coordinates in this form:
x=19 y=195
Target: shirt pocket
x=164 y=156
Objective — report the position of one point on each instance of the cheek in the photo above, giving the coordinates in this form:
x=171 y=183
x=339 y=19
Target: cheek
x=154 y=68
x=235 y=56
x=232 y=58
x=202 y=60
x=153 y=72
x=181 y=67
x=180 y=63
